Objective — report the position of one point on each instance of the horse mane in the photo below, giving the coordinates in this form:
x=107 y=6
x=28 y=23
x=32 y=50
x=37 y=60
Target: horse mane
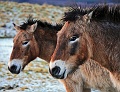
x=44 y=25
x=73 y=13
x=109 y=13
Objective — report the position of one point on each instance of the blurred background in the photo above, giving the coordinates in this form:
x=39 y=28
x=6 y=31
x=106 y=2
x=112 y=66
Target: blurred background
x=35 y=77
x=65 y=2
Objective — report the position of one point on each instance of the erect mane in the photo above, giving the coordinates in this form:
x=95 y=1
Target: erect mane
x=73 y=13
x=44 y=25
x=100 y=13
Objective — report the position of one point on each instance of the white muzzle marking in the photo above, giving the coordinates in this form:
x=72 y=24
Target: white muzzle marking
x=60 y=64
x=17 y=62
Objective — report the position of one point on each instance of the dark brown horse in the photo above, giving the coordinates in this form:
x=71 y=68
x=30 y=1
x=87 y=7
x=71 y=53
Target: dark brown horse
x=34 y=39
x=92 y=35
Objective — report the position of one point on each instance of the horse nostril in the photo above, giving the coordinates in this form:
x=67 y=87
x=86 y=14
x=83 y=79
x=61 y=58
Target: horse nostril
x=13 y=67
x=56 y=70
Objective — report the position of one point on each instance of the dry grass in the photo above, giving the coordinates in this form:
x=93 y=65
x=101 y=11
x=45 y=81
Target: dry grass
x=14 y=11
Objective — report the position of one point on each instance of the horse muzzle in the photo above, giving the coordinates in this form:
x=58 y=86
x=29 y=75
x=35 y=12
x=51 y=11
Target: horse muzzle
x=55 y=72
x=58 y=69
x=15 y=66
x=13 y=69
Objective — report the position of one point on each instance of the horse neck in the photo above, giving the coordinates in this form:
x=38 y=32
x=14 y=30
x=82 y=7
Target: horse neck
x=46 y=40
x=104 y=42
x=74 y=82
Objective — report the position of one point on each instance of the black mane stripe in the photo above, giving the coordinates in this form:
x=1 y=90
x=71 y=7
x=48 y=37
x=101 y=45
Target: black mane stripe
x=109 y=13
x=41 y=24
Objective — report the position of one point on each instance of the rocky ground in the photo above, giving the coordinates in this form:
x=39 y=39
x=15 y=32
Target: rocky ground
x=35 y=77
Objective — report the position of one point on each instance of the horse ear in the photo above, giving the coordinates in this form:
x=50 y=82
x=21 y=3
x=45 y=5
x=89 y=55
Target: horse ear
x=87 y=17
x=17 y=28
x=32 y=28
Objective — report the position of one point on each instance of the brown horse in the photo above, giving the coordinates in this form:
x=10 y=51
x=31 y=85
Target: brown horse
x=93 y=35
x=34 y=39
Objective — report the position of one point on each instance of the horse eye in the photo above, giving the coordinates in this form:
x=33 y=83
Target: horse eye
x=25 y=43
x=73 y=38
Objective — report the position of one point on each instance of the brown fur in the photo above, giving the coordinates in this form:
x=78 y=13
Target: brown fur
x=47 y=41
x=42 y=41
x=99 y=40
x=27 y=54
x=106 y=20
x=88 y=75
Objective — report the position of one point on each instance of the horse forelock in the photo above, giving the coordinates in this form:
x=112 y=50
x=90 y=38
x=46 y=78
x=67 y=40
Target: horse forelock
x=73 y=13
